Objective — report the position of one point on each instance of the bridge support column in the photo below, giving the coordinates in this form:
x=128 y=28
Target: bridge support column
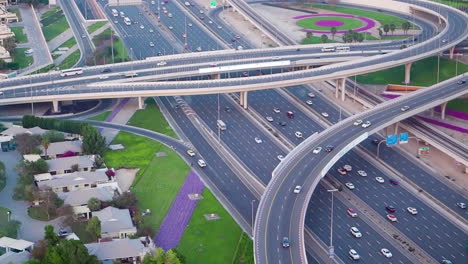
x=340 y=84
x=443 y=107
x=397 y=124
x=451 y=51
x=141 y=101
x=55 y=106
x=243 y=100
x=408 y=72
x=215 y=76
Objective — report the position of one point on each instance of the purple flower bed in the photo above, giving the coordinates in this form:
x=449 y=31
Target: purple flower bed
x=442 y=124
x=390 y=96
x=453 y=113
x=369 y=23
x=174 y=224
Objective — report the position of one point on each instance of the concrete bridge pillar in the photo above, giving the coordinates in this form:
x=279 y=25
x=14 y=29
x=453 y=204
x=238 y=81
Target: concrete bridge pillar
x=243 y=100
x=340 y=84
x=141 y=102
x=443 y=107
x=451 y=51
x=397 y=124
x=215 y=76
x=55 y=106
x=408 y=72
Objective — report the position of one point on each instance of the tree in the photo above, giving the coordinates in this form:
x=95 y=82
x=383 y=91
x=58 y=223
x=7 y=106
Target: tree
x=10 y=45
x=50 y=236
x=26 y=143
x=309 y=35
x=392 y=28
x=125 y=200
x=324 y=38
x=45 y=142
x=179 y=255
x=171 y=257
x=333 y=32
x=380 y=33
x=94 y=204
x=69 y=251
x=39 y=250
x=93 y=141
x=94 y=226
x=54 y=136
x=405 y=26
x=360 y=38
x=386 y=28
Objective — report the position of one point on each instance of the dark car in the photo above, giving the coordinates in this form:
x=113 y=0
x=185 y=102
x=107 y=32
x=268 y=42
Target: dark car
x=394 y=182
x=285 y=242
x=298 y=49
x=63 y=232
x=282 y=123
x=106 y=70
x=228 y=109
x=461 y=82
x=329 y=148
x=290 y=114
x=375 y=141
x=390 y=208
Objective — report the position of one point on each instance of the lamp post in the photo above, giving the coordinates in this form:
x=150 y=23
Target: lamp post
x=331 y=249
x=8 y=213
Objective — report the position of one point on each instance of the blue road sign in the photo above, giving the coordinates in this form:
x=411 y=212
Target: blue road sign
x=404 y=138
x=392 y=140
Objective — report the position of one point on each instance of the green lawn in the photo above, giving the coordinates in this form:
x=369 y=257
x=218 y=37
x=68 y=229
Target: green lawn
x=423 y=73
x=210 y=241
x=380 y=17
x=79 y=228
x=9 y=229
x=39 y=213
x=69 y=43
x=349 y=23
x=244 y=254
x=103 y=53
x=460 y=104
x=21 y=58
x=19 y=34
x=45 y=69
x=50 y=12
x=96 y=26
x=53 y=24
x=70 y=61
x=122 y=51
x=101 y=117
x=316 y=40
x=17 y=12
x=152 y=119
x=102 y=37
x=390 y=37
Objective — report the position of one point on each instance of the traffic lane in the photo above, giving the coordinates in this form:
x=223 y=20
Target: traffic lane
x=239 y=136
x=378 y=196
x=218 y=172
x=368 y=246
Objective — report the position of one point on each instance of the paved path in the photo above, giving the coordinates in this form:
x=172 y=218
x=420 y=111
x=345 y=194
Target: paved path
x=60 y=39
x=32 y=230
x=120 y=115
x=179 y=214
x=62 y=57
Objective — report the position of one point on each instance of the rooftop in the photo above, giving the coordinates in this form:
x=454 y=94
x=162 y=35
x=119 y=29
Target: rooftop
x=17 y=244
x=66 y=163
x=58 y=148
x=81 y=197
x=74 y=178
x=16 y=130
x=114 y=219
x=116 y=249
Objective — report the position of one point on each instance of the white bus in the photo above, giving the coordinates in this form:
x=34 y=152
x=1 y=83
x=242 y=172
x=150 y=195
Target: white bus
x=71 y=72
x=115 y=13
x=328 y=49
x=342 y=49
x=221 y=125
x=127 y=21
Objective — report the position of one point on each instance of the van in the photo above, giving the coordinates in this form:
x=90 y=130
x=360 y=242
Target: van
x=221 y=125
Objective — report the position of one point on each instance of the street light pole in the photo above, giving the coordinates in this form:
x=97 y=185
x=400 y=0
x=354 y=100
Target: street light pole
x=331 y=249
x=8 y=213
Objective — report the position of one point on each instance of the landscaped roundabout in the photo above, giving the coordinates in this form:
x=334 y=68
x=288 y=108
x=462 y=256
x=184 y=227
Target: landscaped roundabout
x=322 y=23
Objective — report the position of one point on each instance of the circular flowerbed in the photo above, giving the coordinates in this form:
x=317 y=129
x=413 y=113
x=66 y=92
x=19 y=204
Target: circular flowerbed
x=322 y=23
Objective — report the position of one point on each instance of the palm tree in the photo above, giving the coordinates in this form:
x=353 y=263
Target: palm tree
x=386 y=28
x=309 y=36
x=405 y=26
x=392 y=28
x=380 y=33
x=333 y=32
x=360 y=38
x=324 y=38
x=355 y=36
x=45 y=142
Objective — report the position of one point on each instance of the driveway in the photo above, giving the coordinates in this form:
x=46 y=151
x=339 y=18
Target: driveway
x=31 y=230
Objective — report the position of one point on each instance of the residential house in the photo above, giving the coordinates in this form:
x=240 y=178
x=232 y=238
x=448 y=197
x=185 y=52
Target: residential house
x=123 y=250
x=78 y=199
x=5 y=32
x=16 y=130
x=64 y=165
x=15 y=245
x=115 y=223
x=5 y=55
x=7 y=17
x=31 y=157
x=75 y=181
x=15 y=258
x=56 y=149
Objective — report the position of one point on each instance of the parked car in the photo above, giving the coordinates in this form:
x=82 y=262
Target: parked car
x=324 y=114
x=390 y=208
x=298 y=134
x=309 y=102
x=394 y=182
x=362 y=173
x=280 y=157
x=276 y=110
x=461 y=205
x=341 y=171
x=348 y=167
x=258 y=140
x=311 y=95
x=269 y=119
x=282 y=123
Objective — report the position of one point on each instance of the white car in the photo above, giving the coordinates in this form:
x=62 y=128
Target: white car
x=311 y=95
x=348 y=167
x=350 y=185
x=276 y=110
x=404 y=108
x=258 y=140
x=161 y=63
x=280 y=157
x=366 y=124
x=190 y=152
x=219 y=27
x=151 y=30
x=324 y=114
x=412 y=210
x=317 y=150
x=309 y=102
x=201 y=163
x=297 y=189
x=151 y=44
x=298 y=134
x=142 y=27
x=201 y=12
x=386 y=253
x=169 y=15
x=362 y=173
x=461 y=205
x=199 y=49
x=102 y=77
x=210 y=22
x=269 y=119
x=379 y=179
x=189 y=24
x=355 y=232
x=358 y=122
x=353 y=254
x=171 y=27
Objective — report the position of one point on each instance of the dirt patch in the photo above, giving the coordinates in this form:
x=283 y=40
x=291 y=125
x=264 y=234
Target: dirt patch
x=125 y=178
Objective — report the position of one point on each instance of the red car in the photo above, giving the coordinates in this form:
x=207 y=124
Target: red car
x=394 y=182
x=290 y=114
x=390 y=208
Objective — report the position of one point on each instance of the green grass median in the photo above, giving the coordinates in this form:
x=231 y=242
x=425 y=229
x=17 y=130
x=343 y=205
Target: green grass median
x=54 y=23
x=20 y=36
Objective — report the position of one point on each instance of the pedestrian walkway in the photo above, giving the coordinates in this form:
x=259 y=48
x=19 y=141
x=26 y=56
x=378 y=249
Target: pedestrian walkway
x=120 y=115
x=179 y=214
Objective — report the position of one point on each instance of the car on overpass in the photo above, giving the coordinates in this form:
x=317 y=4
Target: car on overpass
x=285 y=242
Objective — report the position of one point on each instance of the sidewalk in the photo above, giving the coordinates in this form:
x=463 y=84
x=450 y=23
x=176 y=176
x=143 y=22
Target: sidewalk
x=65 y=55
x=120 y=115
x=60 y=39
x=178 y=216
